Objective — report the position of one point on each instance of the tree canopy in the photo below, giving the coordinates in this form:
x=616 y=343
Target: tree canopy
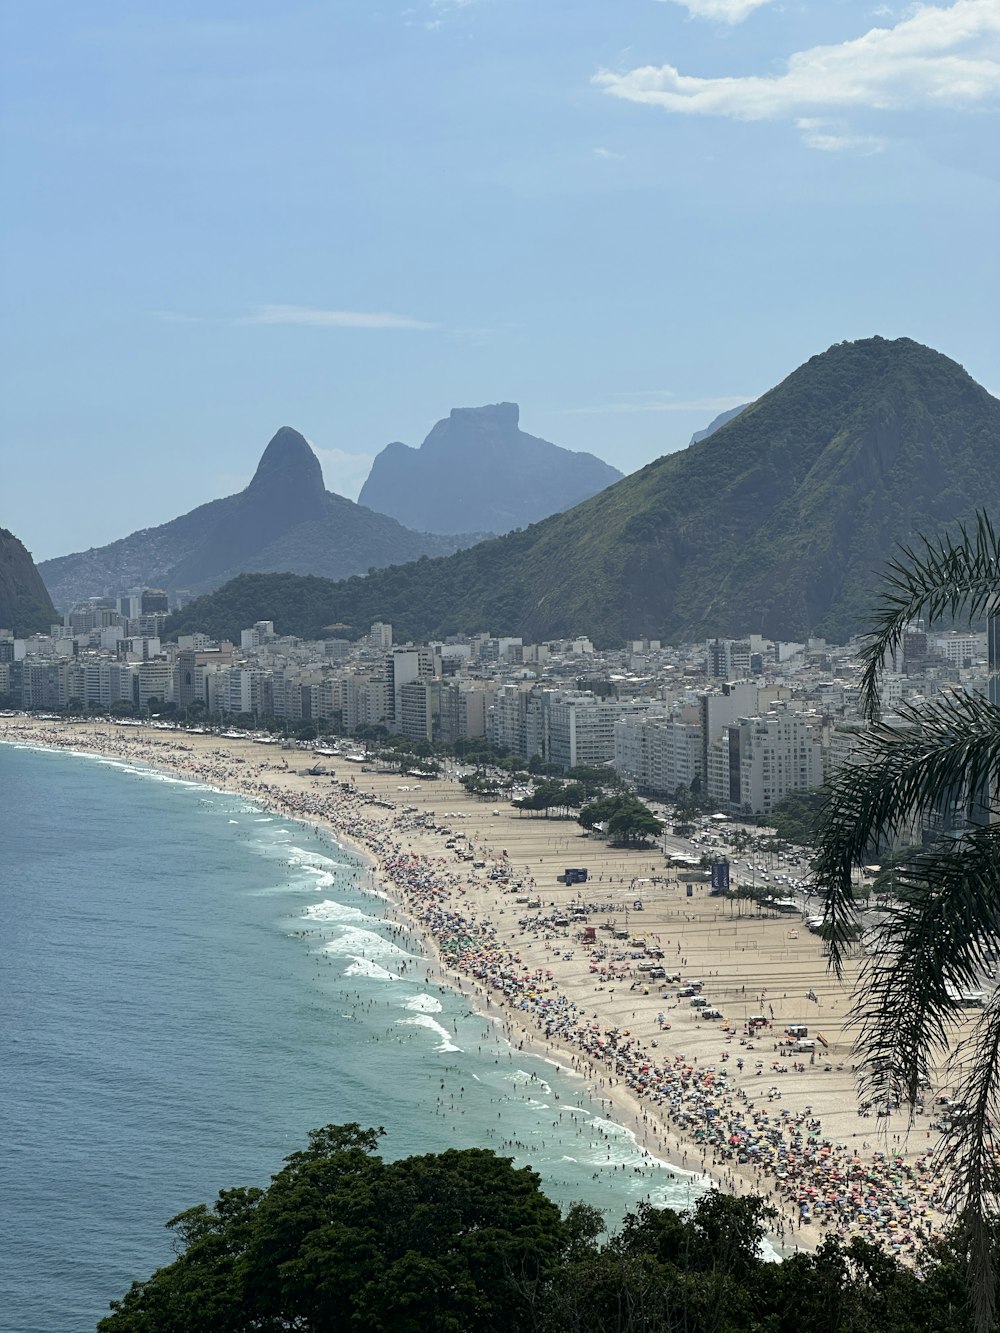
x=626 y=821
x=342 y=1241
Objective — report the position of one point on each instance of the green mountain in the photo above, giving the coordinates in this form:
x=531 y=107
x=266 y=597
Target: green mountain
x=25 y=606
x=777 y=523
x=284 y=520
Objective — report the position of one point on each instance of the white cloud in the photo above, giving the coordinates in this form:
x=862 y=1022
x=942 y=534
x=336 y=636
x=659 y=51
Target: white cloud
x=724 y=11
x=830 y=137
x=608 y=155
x=307 y=316
x=331 y=319
x=937 y=57
x=343 y=471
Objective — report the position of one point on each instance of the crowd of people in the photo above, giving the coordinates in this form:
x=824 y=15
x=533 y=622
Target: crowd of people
x=733 y=1128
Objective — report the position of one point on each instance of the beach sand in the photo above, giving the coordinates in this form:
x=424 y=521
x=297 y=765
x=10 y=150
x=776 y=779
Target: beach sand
x=712 y=1096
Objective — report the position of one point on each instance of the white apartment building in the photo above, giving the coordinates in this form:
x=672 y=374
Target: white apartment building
x=581 y=727
x=381 y=636
x=260 y=633
x=239 y=690
x=660 y=752
x=155 y=680
x=402 y=666
x=462 y=711
x=506 y=719
x=416 y=709
x=363 y=702
x=757 y=761
x=958 y=648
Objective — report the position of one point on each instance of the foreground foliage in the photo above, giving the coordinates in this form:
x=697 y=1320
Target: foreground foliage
x=344 y=1241
x=935 y=768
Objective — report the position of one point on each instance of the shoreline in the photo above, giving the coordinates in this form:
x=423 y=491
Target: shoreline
x=540 y=997
x=517 y=1035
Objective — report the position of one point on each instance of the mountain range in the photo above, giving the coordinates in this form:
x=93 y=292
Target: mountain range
x=284 y=520
x=25 y=605
x=477 y=469
x=777 y=523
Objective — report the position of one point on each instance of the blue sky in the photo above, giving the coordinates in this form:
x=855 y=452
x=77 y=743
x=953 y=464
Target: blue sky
x=224 y=216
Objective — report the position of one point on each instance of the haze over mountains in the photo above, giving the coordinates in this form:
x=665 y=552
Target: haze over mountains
x=777 y=523
x=478 y=470
x=284 y=520
x=475 y=475
x=25 y=605
x=716 y=422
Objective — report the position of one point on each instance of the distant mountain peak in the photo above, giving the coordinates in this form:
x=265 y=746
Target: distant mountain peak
x=284 y=520
x=290 y=464
x=775 y=525
x=505 y=415
x=478 y=469
x=721 y=420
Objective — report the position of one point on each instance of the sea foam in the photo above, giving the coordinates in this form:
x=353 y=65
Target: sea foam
x=425 y=1021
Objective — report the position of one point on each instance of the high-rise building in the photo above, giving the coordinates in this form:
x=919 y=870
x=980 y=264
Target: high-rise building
x=660 y=752
x=727 y=659
x=404 y=665
x=581 y=727
x=381 y=636
x=153 y=600
x=757 y=761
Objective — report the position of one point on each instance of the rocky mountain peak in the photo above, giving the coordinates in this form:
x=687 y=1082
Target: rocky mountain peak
x=478 y=468
x=503 y=416
x=289 y=465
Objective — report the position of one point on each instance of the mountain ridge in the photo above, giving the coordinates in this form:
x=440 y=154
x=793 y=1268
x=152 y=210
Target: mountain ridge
x=478 y=468
x=776 y=523
x=284 y=520
x=25 y=605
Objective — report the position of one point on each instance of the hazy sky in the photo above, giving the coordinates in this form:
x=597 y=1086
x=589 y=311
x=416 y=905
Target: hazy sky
x=349 y=216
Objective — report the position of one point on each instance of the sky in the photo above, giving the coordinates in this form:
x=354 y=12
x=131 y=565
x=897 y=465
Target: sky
x=349 y=216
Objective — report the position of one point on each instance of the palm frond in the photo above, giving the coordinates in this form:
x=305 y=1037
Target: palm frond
x=933 y=943
x=948 y=753
x=941 y=761
x=950 y=576
x=970 y=1158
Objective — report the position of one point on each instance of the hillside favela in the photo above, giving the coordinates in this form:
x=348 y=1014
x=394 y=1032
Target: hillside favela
x=500 y=670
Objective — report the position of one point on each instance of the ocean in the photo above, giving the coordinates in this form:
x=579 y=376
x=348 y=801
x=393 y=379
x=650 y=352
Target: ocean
x=188 y=984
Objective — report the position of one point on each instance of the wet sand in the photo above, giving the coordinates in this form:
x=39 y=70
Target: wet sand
x=716 y=1096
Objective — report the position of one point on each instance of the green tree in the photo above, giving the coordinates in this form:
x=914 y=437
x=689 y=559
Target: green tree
x=550 y=794
x=633 y=826
x=940 y=768
x=342 y=1240
x=797 y=816
x=624 y=818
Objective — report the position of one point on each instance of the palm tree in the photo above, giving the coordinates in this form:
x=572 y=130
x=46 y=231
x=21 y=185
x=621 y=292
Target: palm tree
x=936 y=766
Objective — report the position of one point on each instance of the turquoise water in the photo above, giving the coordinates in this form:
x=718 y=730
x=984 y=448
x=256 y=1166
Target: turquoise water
x=187 y=985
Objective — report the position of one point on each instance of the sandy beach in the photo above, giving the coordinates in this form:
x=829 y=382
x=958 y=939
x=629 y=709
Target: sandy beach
x=726 y=1096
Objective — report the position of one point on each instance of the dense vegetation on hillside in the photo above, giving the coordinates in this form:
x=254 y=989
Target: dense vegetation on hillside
x=774 y=524
x=344 y=1242
x=25 y=605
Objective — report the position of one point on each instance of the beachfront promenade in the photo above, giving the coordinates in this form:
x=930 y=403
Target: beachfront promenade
x=728 y=1097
